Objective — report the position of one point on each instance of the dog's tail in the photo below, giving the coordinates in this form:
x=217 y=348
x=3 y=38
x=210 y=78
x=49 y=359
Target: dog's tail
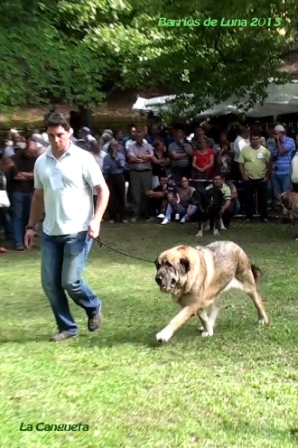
x=257 y=273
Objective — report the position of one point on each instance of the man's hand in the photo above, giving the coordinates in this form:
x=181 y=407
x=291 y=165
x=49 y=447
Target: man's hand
x=94 y=229
x=29 y=238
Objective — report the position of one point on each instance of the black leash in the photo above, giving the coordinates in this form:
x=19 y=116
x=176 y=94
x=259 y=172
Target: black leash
x=101 y=244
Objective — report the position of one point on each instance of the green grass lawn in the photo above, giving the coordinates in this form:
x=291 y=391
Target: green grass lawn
x=237 y=389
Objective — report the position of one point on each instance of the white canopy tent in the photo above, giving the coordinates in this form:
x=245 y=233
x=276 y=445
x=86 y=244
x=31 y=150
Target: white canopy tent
x=281 y=99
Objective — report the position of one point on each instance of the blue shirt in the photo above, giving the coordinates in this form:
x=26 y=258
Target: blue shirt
x=114 y=166
x=282 y=166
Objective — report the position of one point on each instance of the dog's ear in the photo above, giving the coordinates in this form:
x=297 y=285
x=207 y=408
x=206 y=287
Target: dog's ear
x=185 y=265
x=157 y=264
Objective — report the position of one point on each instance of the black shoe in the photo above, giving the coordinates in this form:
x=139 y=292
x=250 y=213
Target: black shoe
x=62 y=336
x=95 y=321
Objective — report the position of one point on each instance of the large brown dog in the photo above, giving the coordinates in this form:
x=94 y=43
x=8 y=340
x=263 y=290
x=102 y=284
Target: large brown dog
x=195 y=277
x=289 y=203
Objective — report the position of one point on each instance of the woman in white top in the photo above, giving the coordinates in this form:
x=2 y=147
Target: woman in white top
x=5 y=165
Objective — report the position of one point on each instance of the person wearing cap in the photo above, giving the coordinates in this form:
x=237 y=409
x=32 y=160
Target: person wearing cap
x=281 y=156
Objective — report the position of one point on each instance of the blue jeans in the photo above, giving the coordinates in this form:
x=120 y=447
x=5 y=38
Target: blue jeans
x=20 y=212
x=181 y=210
x=63 y=259
x=280 y=184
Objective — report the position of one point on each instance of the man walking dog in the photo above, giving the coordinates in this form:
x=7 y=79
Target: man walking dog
x=64 y=179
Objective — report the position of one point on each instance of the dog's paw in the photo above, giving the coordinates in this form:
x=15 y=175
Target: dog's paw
x=207 y=334
x=200 y=328
x=264 y=321
x=199 y=234
x=163 y=336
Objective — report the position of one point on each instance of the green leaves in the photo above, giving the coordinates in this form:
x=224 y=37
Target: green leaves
x=77 y=50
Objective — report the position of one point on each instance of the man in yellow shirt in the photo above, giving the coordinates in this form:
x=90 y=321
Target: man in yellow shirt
x=255 y=168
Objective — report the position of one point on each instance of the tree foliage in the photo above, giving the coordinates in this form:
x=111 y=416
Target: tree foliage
x=78 y=50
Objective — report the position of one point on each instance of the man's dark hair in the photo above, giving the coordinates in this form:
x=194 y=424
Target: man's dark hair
x=56 y=120
x=255 y=134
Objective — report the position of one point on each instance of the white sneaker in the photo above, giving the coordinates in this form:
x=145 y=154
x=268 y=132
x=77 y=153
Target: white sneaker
x=165 y=221
x=207 y=227
x=177 y=217
x=111 y=221
x=161 y=216
x=216 y=232
x=133 y=220
x=183 y=221
x=125 y=221
x=200 y=233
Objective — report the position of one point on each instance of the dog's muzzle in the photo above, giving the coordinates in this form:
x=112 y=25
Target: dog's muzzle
x=164 y=284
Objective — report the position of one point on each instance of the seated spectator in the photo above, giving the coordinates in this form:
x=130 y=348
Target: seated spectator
x=203 y=160
x=113 y=169
x=157 y=200
x=180 y=206
x=225 y=211
x=160 y=162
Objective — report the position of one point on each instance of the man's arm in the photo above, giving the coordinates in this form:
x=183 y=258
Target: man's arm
x=177 y=155
x=284 y=148
x=242 y=171
x=27 y=176
x=94 y=178
x=188 y=149
x=226 y=205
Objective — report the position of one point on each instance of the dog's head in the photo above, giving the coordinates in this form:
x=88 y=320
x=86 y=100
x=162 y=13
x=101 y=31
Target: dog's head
x=172 y=268
x=286 y=202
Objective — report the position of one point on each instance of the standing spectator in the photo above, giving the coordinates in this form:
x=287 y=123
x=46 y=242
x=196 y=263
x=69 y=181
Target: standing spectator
x=20 y=187
x=255 y=167
x=181 y=153
x=281 y=156
x=140 y=155
x=203 y=160
x=241 y=142
x=99 y=156
x=113 y=168
x=160 y=162
x=294 y=168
